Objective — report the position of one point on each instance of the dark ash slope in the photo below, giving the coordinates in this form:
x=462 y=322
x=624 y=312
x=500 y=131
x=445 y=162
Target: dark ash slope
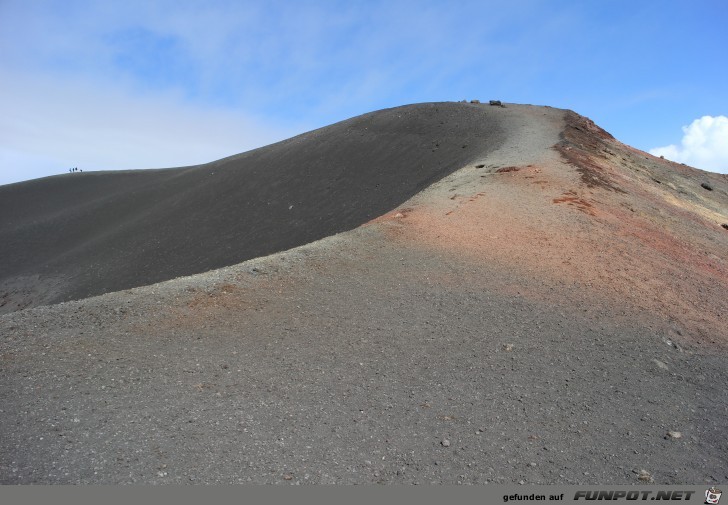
x=78 y=235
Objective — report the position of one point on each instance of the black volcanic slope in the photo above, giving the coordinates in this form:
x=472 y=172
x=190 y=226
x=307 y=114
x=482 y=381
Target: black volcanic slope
x=77 y=235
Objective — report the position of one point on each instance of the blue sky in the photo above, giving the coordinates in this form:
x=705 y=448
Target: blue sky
x=115 y=85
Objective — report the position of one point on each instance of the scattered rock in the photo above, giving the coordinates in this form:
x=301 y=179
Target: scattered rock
x=445 y=442
x=288 y=476
x=507 y=347
x=660 y=364
x=645 y=476
x=707 y=186
x=673 y=344
x=507 y=169
x=479 y=166
x=673 y=435
x=496 y=103
x=474 y=101
x=725 y=225
x=399 y=215
x=532 y=464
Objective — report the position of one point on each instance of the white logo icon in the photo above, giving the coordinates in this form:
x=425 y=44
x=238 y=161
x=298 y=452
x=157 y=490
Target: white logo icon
x=712 y=495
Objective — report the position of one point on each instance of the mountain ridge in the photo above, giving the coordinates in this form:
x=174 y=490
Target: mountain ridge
x=86 y=229
x=552 y=312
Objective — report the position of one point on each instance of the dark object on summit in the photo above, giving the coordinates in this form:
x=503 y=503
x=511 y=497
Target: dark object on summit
x=496 y=103
x=707 y=186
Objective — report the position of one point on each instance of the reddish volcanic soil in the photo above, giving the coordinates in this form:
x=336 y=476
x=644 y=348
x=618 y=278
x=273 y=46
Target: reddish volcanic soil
x=595 y=222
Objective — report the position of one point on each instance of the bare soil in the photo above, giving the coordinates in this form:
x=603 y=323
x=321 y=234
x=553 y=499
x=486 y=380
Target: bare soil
x=545 y=314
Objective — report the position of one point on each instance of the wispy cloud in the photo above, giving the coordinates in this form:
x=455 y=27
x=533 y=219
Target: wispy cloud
x=133 y=73
x=47 y=127
x=704 y=145
x=108 y=85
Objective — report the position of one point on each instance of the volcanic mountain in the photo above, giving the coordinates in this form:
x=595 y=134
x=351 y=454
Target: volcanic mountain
x=434 y=293
x=78 y=235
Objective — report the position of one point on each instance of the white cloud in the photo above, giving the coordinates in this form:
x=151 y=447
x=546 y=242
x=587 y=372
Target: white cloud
x=48 y=126
x=704 y=145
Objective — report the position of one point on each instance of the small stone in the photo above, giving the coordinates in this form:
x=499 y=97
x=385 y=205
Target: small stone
x=660 y=364
x=532 y=464
x=645 y=476
x=725 y=225
x=399 y=215
x=445 y=442
x=674 y=435
x=288 y=476
x=507 y=347
x=707 y=186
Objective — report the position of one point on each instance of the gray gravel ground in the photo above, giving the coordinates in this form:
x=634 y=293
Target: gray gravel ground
x=347 y=361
